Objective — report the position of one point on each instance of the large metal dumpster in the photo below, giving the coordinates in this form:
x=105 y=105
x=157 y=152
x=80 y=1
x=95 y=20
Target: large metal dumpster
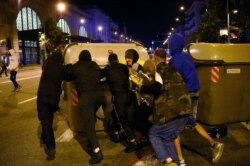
x=224 y=74
x=99 y=52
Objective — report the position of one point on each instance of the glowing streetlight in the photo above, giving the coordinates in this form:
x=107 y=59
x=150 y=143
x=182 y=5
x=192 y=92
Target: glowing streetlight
x=182 y=8
x=99 y=28
x=82 y=21
x=61 y=7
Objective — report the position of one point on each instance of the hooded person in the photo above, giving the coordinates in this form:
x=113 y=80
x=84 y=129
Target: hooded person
x=48 y=97
x=117 y=75
x=131 y=57
x=87 y=78
x=183 y=63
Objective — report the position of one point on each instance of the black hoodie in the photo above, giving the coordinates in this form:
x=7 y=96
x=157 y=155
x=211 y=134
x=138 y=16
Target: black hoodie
x=53 y=73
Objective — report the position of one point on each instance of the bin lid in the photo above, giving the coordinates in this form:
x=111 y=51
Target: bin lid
x=100 y=52
x=229 y=53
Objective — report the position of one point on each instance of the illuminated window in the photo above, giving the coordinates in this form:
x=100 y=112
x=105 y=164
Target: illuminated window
x=64 y=26
x=83 y=32
x=27 y=19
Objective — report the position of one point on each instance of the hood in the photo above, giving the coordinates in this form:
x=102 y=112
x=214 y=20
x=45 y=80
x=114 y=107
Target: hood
x=57 y=56
x=85 y=56
x=132 y=54
x=176 y=43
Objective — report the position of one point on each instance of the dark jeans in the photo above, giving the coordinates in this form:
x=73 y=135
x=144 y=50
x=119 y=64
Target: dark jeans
x=89 y=103
x=13 y=74
x=123 y=106
x=4 y=69
x=141 y=121
x=45 y=115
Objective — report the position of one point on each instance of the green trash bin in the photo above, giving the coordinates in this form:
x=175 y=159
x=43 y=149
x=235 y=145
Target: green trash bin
x=224 y=74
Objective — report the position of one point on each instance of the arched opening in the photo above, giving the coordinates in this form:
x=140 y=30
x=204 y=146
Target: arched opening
x=82 y=31
x=28 y=24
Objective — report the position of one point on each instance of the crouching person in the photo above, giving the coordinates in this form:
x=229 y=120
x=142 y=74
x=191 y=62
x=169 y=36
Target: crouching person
x=172 y=110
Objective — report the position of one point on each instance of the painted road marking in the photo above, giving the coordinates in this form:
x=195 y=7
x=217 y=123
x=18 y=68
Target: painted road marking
x=20 y=79
x=25 y=101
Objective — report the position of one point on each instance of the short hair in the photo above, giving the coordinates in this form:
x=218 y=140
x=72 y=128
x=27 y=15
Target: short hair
x=160 y=52
x=113 y=58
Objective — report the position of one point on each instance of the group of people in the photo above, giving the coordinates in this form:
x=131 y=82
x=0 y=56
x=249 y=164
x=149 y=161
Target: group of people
x=172 y=88
x=12 y=67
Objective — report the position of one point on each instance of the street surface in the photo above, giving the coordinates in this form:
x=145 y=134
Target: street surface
x=19 y=128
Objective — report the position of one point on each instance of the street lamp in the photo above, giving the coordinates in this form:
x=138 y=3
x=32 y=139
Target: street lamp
x=61 y=7
x=100 y=28
x=82 y=21
x=228 y=22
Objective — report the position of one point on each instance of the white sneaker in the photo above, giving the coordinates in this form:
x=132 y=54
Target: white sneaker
x=217 y=151
x=18 y=88
x=182 y=162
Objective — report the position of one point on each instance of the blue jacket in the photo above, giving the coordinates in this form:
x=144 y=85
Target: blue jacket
x=182 y=61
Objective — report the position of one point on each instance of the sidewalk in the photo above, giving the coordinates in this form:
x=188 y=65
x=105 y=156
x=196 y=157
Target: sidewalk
x=30 y=67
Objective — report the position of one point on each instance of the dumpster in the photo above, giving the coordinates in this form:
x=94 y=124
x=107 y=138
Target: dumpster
x=99 y=52
x=224 y=74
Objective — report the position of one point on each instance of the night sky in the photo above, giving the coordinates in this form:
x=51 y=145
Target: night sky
x=145 y=20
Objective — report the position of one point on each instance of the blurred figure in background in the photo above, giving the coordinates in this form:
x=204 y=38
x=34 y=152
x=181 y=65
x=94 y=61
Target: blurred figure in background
x=13 y=67
x=4 y=67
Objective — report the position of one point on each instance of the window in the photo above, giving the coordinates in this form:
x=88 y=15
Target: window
x=64 y=26
x=82 y=31
x=27 y=19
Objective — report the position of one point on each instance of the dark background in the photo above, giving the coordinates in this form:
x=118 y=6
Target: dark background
x=145 y=20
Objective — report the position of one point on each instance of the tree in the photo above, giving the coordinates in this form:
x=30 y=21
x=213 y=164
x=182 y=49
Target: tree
x=54 y=35
x=212 y=21
x=214 y=18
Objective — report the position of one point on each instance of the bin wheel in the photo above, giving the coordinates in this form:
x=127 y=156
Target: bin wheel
x=218 y=131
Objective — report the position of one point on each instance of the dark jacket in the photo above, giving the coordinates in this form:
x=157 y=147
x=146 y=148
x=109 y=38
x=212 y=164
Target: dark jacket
x=117 y=76
x=173 y=101
x=53 y=73
x=183 y=62
x=87 y=76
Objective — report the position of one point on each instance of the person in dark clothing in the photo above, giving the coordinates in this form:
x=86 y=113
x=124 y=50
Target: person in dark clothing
x=48 y=97
x=149 y=79
x=4 y=68
x=87 y=77
x=117 y=76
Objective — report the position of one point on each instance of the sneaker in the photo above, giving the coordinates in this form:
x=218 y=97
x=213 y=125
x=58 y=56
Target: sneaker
x=96 y=158
x=17 y=89
x=51 y=152
x=132 y=146
x=114 y=137
x=217 y=151
x=182 y=162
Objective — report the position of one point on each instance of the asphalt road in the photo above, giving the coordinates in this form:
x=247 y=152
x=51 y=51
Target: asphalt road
x=19 y=128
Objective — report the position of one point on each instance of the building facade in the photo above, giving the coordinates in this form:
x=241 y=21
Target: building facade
x=22 y=22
